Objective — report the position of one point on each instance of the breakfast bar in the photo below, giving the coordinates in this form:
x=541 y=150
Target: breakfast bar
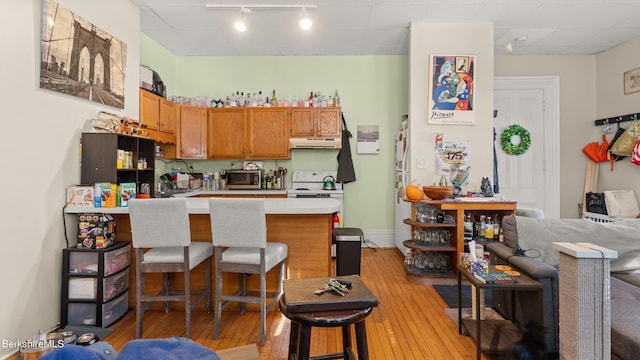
x=303 y=224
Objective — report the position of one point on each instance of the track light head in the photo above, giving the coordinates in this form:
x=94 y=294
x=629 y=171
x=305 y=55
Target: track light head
x=305 y=21
x=241 y=24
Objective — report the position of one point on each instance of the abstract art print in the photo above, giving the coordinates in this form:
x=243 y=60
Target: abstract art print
x=80 y=59
x=451 y=89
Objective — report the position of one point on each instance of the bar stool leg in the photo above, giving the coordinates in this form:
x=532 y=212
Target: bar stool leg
x=361 y=340
x=294 y=338
x=304 y=342
x=346 y=341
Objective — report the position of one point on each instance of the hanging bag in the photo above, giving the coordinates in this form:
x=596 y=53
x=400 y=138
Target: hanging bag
x=625 y=143
x=636 y=154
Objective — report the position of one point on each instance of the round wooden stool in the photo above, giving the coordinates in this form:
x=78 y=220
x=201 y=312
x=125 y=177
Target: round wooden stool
x=300 y=336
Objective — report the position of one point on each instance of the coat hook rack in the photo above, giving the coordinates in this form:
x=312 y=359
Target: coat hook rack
x=617 y=119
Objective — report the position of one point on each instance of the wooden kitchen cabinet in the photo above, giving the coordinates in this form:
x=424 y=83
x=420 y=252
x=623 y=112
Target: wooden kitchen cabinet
x=159 y=115
x=269 y=133
x=226 y=133
x=191 y=140
x=303 y=122
x=316 y=122
x=248 y=133
x=328 y=121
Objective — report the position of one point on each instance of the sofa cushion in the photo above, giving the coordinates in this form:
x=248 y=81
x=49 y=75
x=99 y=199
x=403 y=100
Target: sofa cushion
x=510 y=231
x=536 y=237
x=625 y=323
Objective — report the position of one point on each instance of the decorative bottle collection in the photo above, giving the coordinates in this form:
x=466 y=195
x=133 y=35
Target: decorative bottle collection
x=273 y=180
x=485 y=228
x=257 y=99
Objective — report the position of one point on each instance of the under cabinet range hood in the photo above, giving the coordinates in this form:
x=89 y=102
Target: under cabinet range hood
x=315 y=143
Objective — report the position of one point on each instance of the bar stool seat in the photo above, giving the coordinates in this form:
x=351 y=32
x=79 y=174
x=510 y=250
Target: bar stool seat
x=301 y=324
x=305 y=309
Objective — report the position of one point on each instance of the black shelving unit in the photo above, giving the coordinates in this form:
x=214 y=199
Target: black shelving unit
x=100 y=159
x=95 y=285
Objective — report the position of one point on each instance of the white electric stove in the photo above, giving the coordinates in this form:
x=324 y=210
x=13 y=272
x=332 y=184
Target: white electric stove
x=310 y=184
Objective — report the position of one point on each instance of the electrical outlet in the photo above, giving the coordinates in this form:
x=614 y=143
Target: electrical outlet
x=421 y=163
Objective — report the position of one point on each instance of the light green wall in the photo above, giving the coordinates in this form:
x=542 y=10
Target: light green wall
x=159 y=59
x=373 y=91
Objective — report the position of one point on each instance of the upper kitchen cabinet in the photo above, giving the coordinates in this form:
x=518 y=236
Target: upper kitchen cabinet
x=159 y=115
x=328 y=122
x=242 y=133
x=191 y=140
x=315 y=122
x=227 y=133
x=303 y=122
x=269 y=133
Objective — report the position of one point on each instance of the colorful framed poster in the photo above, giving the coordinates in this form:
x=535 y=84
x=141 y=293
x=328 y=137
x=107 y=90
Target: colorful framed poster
x=451 y=89
x=80 y=59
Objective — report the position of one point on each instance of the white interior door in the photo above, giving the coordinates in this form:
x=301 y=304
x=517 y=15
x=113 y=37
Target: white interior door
x=532 y=177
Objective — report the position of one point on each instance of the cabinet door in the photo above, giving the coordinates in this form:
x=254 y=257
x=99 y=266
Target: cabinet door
x=269 y=138
x=167 y=116
x=302 y=124
x=328 y=122
x=191 y=140
x=226 y=133
x=149 y=109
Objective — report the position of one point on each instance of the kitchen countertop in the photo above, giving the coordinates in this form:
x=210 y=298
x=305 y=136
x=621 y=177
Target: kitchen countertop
x=231 y=192
x=291 y=206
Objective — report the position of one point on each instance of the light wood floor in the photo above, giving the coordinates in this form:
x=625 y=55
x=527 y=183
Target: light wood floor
x=409 y=322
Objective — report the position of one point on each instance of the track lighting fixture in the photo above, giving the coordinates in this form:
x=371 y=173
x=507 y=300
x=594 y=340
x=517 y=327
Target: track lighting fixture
x=241 y=24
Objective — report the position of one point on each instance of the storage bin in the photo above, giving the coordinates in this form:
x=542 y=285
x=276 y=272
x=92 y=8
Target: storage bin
x=83 y=288
x=83 y=263
x=115 y=309
x=115 y=285
x=117 y=260
x=101 y=315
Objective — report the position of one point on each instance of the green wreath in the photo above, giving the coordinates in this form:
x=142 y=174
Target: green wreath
x=507 y=136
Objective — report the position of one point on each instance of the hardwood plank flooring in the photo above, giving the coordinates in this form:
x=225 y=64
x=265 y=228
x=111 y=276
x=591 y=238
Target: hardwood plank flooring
x=409 y=322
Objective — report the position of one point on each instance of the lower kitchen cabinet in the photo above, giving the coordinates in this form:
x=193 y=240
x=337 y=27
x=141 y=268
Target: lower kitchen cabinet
x=95 y=285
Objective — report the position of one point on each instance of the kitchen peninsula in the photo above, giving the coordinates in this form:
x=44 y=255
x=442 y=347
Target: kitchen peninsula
x=301 y=223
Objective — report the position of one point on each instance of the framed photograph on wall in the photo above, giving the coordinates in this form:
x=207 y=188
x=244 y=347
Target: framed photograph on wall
x=632 y=81
x=80 y=59
x=451 y=89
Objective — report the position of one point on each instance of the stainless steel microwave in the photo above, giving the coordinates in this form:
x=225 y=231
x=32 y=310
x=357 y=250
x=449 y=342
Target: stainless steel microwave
x=244 y=179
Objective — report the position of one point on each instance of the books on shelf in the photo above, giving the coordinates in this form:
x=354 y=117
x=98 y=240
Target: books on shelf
x=496 y=278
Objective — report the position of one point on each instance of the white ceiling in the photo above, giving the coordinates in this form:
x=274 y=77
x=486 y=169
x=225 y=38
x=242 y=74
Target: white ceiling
x=381 y=27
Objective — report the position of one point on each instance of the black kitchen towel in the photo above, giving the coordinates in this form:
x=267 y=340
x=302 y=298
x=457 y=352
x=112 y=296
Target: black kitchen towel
x=346 y=172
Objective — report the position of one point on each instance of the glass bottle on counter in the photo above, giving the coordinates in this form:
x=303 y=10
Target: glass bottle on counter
x=496 y=227
x=488 y=230
x=274 y=100
x=336 y=99
x=260 y=99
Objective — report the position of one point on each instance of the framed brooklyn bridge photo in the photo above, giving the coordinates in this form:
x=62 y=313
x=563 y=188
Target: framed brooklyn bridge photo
x=80 y=59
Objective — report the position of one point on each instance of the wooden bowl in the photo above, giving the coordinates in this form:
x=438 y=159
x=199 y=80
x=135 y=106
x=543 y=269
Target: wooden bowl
x=438 y=192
